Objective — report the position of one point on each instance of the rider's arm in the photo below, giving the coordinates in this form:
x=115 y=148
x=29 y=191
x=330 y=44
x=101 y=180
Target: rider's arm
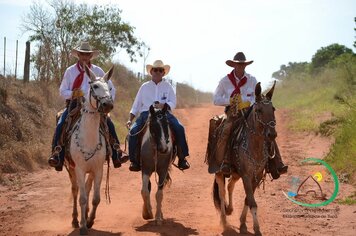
x=220 y=96
x=65 y=90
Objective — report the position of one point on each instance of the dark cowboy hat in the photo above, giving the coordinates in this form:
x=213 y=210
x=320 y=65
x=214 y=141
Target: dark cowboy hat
x=239 y=58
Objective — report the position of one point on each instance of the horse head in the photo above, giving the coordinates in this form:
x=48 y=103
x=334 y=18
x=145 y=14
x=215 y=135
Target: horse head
x=99 y=91
x=264 y=113
x=158 y=127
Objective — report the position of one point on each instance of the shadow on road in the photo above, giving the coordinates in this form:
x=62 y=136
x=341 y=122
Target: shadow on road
x=169 y=227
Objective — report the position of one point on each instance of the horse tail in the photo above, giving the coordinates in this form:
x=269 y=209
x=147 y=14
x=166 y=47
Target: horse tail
x=216 y=196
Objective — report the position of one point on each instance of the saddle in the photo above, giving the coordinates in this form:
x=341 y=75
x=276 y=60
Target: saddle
x=74 y=112
x=216 y=127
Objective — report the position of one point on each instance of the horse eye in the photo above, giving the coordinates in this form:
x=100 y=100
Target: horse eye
x=95 y=86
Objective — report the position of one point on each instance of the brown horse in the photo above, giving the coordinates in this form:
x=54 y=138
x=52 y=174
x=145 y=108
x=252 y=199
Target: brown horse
x=249 y=154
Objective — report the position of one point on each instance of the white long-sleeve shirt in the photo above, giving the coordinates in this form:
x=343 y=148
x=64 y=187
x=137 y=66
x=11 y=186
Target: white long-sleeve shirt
x=150 y=92
x=225 y=89
x=71 y=74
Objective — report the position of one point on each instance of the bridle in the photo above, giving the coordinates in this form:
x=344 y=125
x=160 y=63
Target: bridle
x=98 y=99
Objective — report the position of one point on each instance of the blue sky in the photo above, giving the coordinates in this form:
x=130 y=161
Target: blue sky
x=196 y=37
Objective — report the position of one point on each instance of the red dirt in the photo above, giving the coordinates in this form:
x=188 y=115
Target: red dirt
x=41 y=204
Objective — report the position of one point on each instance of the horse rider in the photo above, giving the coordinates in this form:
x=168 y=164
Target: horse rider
x=158 y=92
x=75 y=84
x=237 y=82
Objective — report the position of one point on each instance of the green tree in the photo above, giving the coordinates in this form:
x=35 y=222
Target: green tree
x=57 y=28
x=286 y=71
x=327 y=54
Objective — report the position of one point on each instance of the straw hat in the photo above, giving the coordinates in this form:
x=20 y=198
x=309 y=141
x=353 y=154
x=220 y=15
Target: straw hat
x=85 y=48
x=158 y=64
x=239 y=58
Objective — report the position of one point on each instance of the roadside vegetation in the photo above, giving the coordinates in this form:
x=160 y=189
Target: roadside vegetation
x=321 y=98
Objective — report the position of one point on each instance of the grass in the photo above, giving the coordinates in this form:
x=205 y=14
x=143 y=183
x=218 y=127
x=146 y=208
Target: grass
x=349 y=200
x=325 y=104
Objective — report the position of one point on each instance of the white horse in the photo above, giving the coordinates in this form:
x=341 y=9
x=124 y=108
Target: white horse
x=88 y=149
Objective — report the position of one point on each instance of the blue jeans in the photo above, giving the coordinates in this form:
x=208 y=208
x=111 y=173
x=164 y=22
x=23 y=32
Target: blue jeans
x=177 y=127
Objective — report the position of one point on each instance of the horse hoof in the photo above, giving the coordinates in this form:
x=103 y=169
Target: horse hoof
x=147 y=215
x=243 y=229
x=258 y=233
x=83 y=231
x=159 y=221
x=75 y=224
x=90 y=224
x=229 y=211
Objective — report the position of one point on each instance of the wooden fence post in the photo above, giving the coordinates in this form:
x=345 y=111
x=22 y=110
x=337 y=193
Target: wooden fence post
x=26 y=73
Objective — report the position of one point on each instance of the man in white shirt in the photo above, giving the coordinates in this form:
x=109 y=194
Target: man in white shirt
x=75 y=83
x=237 y=82
x=155 y=92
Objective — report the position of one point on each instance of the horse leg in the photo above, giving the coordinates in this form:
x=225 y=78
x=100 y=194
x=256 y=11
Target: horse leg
x=243 y=227
x=145 y=192
x=88 y=185
x=83 y=201
x=96 y=196
x=73 y=180
x=250 y=202
x=220 y=181
x=230 y=188
x=159 y=199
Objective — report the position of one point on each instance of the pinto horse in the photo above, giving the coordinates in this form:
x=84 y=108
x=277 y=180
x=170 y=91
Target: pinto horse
x=249 y=154
x=157 y=153
x=88 y=150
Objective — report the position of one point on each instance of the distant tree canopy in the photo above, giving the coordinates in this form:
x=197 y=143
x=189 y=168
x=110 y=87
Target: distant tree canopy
x=292 y=67
x=323 y=57
x=58 y=29
x=327 y=54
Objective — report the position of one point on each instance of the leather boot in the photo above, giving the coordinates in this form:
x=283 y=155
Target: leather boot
x=225 y=168
x=183 y=164
x=134 y=166
x=56 y=160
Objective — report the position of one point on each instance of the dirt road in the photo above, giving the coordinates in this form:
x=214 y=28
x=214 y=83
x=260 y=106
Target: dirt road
x=40 y=204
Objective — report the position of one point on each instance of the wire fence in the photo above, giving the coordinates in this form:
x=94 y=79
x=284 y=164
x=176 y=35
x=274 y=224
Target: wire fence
x=12 y=57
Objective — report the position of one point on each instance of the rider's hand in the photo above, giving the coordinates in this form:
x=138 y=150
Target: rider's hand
x=128 y=124
x=77 y=93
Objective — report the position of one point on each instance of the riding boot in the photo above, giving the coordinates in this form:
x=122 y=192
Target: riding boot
x=275 y=165
x=281 y=168
x=117 y=157
x=225 y=167
x=183 y=164
x=134 y=167
x=56 y=160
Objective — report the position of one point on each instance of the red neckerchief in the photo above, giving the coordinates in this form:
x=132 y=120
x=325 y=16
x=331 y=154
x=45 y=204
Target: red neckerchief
x=79 y=80
x=237 y=86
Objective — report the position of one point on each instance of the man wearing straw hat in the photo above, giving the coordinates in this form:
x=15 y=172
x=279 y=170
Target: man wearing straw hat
x=74 y=85
x=158 y=92
x=238 y=82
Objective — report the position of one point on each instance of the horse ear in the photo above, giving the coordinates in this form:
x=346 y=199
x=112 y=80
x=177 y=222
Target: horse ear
x=90 y=73
x=165 y=108
x=270 y=92
x=152 y=110
x=108 y=75
x=258 y=91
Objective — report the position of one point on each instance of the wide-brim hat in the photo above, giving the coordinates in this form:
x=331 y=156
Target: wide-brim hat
x=84 y=47
x=158 y=64
x=239 y=58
